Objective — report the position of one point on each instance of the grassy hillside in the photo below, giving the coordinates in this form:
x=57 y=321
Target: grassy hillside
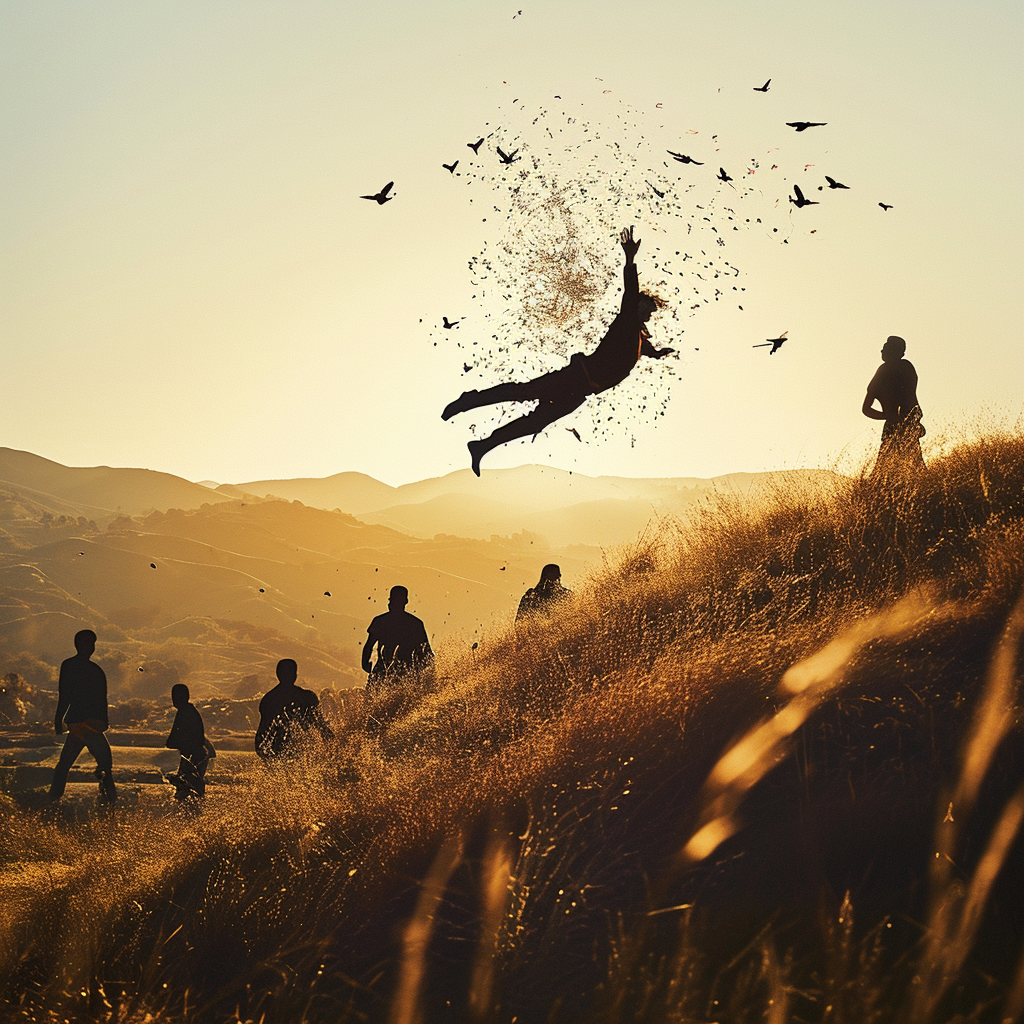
x=767 y=768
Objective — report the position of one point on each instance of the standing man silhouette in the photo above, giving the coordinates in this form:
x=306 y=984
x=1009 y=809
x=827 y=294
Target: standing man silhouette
x=894 y=388
x=562 y=391
x=286 y=710
x=400 y=639
x=82 y=705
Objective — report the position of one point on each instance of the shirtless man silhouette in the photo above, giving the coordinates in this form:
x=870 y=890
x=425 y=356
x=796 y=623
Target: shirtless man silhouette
x=894 y=388
x=400 y=639
x=562 y=391
x=82 y=706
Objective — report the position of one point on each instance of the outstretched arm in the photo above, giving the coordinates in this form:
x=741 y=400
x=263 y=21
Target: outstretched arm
x=629 y=278
x=647 y=349
x=629 y=244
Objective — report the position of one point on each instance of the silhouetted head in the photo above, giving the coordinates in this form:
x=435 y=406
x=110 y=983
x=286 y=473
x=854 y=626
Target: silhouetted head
x=894 y=349
x=550 y=574
x=287 y=671
x=398 y=599
x=85 y=642
x=179 y=695
x=646 y=306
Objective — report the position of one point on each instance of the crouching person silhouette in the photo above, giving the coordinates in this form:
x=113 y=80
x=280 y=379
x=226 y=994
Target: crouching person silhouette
x=544 y=598
x=189 y=739
x=82 y=706
x=287 y=712
x=562 y=391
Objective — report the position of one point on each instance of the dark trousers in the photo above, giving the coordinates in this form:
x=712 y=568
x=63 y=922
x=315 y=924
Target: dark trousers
x=82 y=735
x=559 y=393
x=191 y=779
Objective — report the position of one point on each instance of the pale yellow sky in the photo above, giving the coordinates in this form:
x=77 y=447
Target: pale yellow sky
x=191 y=284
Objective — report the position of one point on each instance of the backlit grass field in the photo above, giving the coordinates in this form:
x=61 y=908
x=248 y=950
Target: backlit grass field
x=766 y=768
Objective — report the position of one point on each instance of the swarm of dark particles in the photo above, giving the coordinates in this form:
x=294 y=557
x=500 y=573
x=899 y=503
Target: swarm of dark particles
x=547 y=279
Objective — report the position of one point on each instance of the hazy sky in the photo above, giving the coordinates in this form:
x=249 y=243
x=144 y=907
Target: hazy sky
x=190 y=282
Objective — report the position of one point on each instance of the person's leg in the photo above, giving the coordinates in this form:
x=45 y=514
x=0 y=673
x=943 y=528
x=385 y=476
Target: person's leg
x=100 y=749
x=533 y=423
x=524 y=392
x=192 y=784
x=555 y=386
x=73 y=746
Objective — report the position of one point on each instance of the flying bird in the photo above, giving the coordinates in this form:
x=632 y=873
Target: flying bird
x=885 y=206
x=475 y=146
x=449 y=324
x=722 y=176
x=683 y=159
x=506 y=158
x=575 y=433
x=800 y=201
x=832 y=183
x=450 y=168
x=776 y=343
x=466 y=367
x=762 y=88
x=660 y=195
x=382 y=196
x=801 y=126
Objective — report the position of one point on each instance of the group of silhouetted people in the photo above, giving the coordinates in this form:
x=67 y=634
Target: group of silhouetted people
x=400 y=638
x=287 y=711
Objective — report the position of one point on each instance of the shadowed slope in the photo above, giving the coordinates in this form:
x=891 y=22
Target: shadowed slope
x=521 y=839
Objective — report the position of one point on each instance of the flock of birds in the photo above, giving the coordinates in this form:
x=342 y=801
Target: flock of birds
x=798 y=199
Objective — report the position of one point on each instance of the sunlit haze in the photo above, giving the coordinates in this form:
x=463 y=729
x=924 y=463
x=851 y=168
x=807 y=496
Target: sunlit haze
x=191 y=282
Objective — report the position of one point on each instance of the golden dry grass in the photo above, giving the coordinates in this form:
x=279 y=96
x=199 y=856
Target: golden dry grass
x=765 y=768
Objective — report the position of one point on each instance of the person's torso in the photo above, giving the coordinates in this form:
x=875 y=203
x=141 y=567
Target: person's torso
x=85 y=686
x=895 y=387
x=399 y=636
x=187 y=730
x=616 y=355
x=288 y=703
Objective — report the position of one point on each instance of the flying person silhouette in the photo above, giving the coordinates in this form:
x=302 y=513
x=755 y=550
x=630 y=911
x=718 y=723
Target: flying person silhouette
x=82 y=706
x=894 y=388
x=562 y=391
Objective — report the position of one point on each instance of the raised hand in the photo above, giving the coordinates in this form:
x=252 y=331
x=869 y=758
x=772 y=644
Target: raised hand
x=629 y=245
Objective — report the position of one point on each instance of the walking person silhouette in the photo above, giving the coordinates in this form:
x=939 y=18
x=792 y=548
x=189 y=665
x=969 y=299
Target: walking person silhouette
x=562 y=391
x=894 y=388
x=189 y=739
x=82 y=706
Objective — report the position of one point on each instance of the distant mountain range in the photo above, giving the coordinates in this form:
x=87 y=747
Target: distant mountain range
x=182 y=581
